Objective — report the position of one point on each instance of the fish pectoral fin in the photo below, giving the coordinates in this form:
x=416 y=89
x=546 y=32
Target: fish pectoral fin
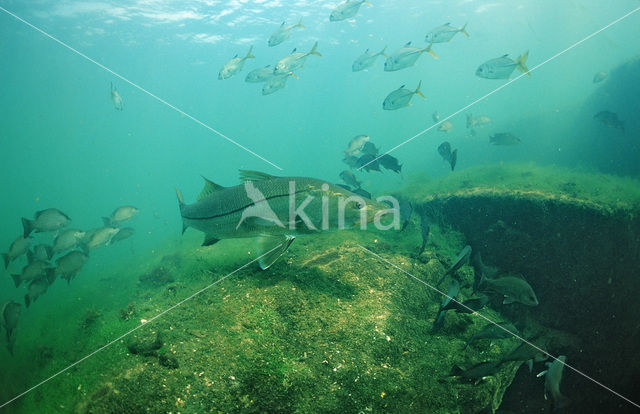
x=209 y=240
x=507 y=300
x=249 y=175
x=274 y=253
x=541 y=374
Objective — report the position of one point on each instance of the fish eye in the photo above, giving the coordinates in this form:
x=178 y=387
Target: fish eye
x=360 y=205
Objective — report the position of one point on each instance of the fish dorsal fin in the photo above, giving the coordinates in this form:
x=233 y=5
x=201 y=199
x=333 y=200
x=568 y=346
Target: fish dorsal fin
x=366 y=51
x=235 y=56
x=209 y=188
x=447 y=24
x=249 y=175
x=506 y=55
x=407 y=44
x=294 y=50
x=282 y=24
x=402 y=87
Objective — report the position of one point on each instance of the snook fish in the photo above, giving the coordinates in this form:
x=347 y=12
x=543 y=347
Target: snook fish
x=276 y=209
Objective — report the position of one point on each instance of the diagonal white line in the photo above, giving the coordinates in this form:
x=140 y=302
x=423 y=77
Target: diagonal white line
x=136 y=328
x=135 y=85
x=499 y=326
x=464 y=108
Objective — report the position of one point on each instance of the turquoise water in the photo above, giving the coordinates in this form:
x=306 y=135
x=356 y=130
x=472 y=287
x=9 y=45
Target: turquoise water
x=65 y=146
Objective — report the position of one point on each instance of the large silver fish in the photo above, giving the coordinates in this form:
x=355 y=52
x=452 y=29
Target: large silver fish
x=274 y=208
x=405 y=57
x=295 y=60
x=259 y=75
x=503 y=67
x=67 y=240
x=69 y=265
x=366 y=60
x=283 y=33
x=552 y=382
x=444 y=33
x=276 y=82
x=400 y=98
x=234 y=65
x=119 y=215
x=346 y=10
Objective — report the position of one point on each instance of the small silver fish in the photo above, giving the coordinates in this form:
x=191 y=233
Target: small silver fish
x=98 y=237
x=294 y=60
x=276 y=82
x=234 y=65
x=346 y=10
x=435 y=116
x=400 y=98
x=444 y=33
x=69 y=265
x=552 y=382
x=367 y=59
x=599 y=77
x=67 y=240
x=479 y=121
x=514 y=289
x=116 y=99
x=503 y=67
x=406 y=57
x=349 y=178
x=283 y=33
x=446 y=126
x=259 y=75
x=119 y=215
x=355 y=145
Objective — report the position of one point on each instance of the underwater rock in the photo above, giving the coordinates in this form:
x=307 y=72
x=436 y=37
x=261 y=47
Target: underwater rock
x=168 y=361
x=159 y=276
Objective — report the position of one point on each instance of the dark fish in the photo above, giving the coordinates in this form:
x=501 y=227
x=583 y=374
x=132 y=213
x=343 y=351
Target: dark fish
x=369 y=148
x=37 y=288
x=50 y=219
x=424 y=232
x=406 y=209
x=349 y=178
x=452 y=293
x=525 y=352
x=461 y=260
x=390 y=163
x=478 y=371
x=503 y=67
x=368 y=162
x=502 y=330
x=34 y=270
x=504 y=138
x=69 y=265
x=124 y=233
x=454 y=159
x=352 y=161
x=610 y=119
x=19 y=247
x=470 y=305
x=480 y=270
x=10 y=316
x=42 y=252
x=513 y=288
x=362 y=192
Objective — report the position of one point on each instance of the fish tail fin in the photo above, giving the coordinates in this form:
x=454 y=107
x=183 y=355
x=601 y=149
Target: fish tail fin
x=463 y=30
x=382 y=52
x=27 y=300
x=431 y=52
x=28 y=226
x=418 y=92
x=181 y=204
x=300 y=25
x=50 y=275
x=520 y=63
x=314 y=50
x=16 y=280
x=249 y=55
x=5 y=256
